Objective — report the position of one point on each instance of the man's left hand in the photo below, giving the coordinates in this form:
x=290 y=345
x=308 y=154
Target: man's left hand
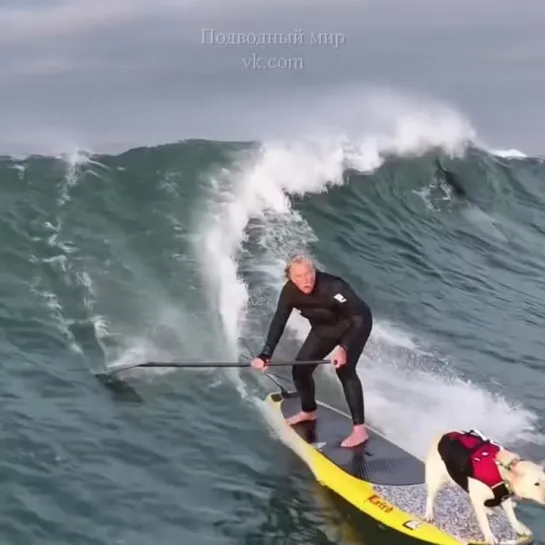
x=338 y=358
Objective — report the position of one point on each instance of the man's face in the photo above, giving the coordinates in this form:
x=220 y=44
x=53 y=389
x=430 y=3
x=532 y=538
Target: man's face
x=303 y=276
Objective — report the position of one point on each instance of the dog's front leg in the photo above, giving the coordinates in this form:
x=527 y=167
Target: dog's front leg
x=436 y=476
x=517 y=526
x=478 y=494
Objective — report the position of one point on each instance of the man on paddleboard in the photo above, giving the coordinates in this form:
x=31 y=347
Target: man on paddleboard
x=340 y=322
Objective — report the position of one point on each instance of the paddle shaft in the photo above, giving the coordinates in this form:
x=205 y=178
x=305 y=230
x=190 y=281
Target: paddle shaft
x=198 y=364
x=227 y=364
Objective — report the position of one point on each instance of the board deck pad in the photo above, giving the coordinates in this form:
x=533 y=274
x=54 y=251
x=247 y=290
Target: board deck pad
x=397 y=476
x=378 y=461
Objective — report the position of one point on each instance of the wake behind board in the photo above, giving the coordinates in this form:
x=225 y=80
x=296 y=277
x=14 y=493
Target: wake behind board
x=384 y=481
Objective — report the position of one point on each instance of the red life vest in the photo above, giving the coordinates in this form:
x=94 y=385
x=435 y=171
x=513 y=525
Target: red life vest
x=471 y=454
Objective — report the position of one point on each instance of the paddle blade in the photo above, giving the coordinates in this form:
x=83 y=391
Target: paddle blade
x=119 y=388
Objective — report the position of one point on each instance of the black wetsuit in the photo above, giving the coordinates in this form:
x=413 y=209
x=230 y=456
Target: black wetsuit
x=337 y=317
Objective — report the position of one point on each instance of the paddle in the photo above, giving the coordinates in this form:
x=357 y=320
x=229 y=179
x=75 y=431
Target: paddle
x=198 y=364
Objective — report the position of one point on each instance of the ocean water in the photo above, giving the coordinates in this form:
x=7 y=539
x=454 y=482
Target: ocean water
x=176 y=252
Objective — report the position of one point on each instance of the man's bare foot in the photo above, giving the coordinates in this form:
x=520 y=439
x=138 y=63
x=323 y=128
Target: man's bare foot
x=358 y=436
x=301 y=417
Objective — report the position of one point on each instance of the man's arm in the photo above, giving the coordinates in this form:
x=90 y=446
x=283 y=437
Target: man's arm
x=278 y=324
x=352 y=307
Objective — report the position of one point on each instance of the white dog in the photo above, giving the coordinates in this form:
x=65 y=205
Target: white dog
x=490 y=474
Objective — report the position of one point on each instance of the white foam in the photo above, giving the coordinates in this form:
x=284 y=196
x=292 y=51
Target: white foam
x=395 y=336
x=509 y=153
x=413 y=405
x=54 y=306
x=408 y=404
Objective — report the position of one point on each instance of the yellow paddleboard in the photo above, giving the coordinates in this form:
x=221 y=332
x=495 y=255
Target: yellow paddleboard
x=383 y=480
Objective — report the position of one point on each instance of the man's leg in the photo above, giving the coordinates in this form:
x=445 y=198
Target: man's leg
x=353 y=390
x=315 y=347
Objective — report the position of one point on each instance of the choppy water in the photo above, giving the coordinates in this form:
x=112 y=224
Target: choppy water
x=176 y=252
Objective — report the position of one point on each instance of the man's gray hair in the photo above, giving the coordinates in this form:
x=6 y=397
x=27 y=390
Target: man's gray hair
x=298 y=259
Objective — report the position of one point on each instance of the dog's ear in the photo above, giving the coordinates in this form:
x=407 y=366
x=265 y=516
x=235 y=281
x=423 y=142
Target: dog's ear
x=542 y=464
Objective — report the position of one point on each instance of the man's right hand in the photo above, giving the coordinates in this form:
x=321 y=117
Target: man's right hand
x=259 y=363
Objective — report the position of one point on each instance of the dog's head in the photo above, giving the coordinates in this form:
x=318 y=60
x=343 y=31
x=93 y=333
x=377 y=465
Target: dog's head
x=528 y=481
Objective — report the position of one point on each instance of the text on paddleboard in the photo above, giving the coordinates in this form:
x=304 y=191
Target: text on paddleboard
x=380 y=503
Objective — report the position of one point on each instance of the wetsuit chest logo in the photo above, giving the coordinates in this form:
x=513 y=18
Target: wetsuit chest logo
x=341 y=298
